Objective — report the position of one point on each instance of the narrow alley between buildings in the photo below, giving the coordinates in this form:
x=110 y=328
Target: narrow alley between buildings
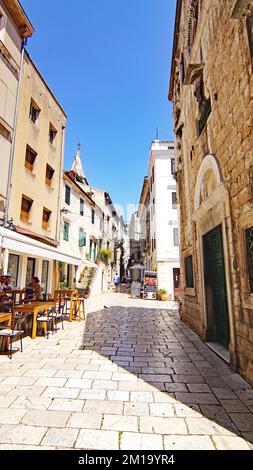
x=133 y=377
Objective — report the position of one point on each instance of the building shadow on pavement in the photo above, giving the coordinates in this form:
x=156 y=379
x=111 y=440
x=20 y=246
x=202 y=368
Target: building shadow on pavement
x=153 y=351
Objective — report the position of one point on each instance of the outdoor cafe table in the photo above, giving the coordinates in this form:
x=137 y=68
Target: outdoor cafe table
x=34 y=308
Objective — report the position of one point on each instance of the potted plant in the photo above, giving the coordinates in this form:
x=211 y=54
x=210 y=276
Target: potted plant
x=163 y=295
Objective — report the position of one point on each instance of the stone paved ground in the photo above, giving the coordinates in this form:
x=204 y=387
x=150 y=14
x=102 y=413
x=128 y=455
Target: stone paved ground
x=143 y=380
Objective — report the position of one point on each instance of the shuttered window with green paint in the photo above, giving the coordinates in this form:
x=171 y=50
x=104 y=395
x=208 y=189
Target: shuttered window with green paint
x=82 y=238
x=67 y=194
x=66 y=232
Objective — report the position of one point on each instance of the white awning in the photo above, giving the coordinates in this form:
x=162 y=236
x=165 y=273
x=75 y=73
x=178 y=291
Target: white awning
x=20 y=243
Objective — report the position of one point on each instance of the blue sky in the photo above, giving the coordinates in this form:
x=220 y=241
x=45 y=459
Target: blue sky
x=108 y=63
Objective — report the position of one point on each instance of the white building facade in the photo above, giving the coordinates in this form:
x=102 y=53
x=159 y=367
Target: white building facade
x=163 y=255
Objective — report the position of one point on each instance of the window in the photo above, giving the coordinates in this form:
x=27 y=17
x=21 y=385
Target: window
x=44 y=275
x=45 y=218
x=92 y=216
x=82 y=238
x=189 y=280
x=81 y=207
x=192 y=24
x=52 y=133
x=26 y=205
x=66 y=232
x=173 y=166
x=175 y=237
x=67 y=194
x=174 y=200
x=30 y=158
x=249 y=24
x=182 y=70
x=249 y=250
x=34 y=111
x=153 y=174
x=13 y=266
x=49 y=175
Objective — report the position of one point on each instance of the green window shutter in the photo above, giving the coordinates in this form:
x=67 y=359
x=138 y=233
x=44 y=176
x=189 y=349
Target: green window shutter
x=249 y=250
x=81 y=207
x=66 y=232
x=189 y=279
x=67 y=194
x=82 y=238
x=92 y=216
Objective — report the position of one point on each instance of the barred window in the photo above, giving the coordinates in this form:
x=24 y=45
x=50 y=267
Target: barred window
x=249 y=250
x=189 y=279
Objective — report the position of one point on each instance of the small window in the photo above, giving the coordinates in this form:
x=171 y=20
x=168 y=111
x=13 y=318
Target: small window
x=82 y=238
x=34 y=112
x=46 y=218
x=66 y=232
x=153 y=174
x=81 y=207
x=52 y=133
x=175 y=236
x=49 y=175
x=173 y=166
x=174 y=200
x=249 y=24
x=189 y=279
x=92 y=216
x=249 y=250
x=67 y=194
x=30 y=158
x=26 y=205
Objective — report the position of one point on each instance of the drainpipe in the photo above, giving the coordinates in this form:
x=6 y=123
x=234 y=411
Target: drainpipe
x=58 y=221
x=6 y=213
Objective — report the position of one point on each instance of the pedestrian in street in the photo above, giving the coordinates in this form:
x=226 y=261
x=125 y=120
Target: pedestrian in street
x=116 y=282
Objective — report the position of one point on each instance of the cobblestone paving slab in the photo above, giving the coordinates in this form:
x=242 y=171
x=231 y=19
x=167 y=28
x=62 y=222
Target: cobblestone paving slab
x=133 y=377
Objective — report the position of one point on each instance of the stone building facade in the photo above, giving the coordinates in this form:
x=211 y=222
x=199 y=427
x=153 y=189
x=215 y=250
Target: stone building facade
x=211 y=87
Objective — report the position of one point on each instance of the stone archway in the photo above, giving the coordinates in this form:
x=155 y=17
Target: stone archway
x=209 y=178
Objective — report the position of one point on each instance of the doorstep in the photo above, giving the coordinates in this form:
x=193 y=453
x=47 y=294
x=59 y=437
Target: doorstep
x=220 y=351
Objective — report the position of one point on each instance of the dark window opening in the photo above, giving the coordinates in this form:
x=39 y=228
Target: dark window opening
x=34 y=112
x=49 y=175
x=67 y=194
x=26 y=205
x=45 y=218
x=249 y=250
x=52 y=133
x=189 y=279
x=30 y=158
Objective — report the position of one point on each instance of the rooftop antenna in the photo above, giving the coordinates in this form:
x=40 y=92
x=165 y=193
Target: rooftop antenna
x=164 y=131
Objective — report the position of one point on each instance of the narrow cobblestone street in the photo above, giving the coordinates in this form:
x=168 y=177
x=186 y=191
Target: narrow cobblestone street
x=133 y=377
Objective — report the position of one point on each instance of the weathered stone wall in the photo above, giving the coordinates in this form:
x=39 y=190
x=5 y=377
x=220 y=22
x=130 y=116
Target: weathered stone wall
x=221 y=44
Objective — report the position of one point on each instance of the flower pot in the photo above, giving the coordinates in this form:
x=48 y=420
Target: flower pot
x=164 y=297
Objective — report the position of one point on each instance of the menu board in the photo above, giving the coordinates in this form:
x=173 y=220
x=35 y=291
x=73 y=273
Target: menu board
x=150 y=285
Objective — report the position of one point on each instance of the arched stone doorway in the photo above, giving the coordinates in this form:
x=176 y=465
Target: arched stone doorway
x=215 y=252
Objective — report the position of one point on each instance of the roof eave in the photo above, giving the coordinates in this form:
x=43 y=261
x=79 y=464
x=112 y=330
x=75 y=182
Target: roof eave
x=19 y=17
x=175 y=43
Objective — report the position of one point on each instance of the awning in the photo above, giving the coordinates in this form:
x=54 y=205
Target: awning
x=19 y=243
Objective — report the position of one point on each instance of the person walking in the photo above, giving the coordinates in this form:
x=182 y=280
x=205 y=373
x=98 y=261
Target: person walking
x=116 y=281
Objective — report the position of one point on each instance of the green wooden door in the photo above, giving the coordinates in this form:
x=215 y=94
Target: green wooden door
x=215 y=276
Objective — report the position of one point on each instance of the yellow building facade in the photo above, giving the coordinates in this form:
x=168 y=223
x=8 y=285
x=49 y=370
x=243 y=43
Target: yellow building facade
x=36 y=178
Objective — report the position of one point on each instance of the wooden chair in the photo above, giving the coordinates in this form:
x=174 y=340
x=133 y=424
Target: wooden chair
x=45 y=318
x=79 y=307
x=13 y=332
